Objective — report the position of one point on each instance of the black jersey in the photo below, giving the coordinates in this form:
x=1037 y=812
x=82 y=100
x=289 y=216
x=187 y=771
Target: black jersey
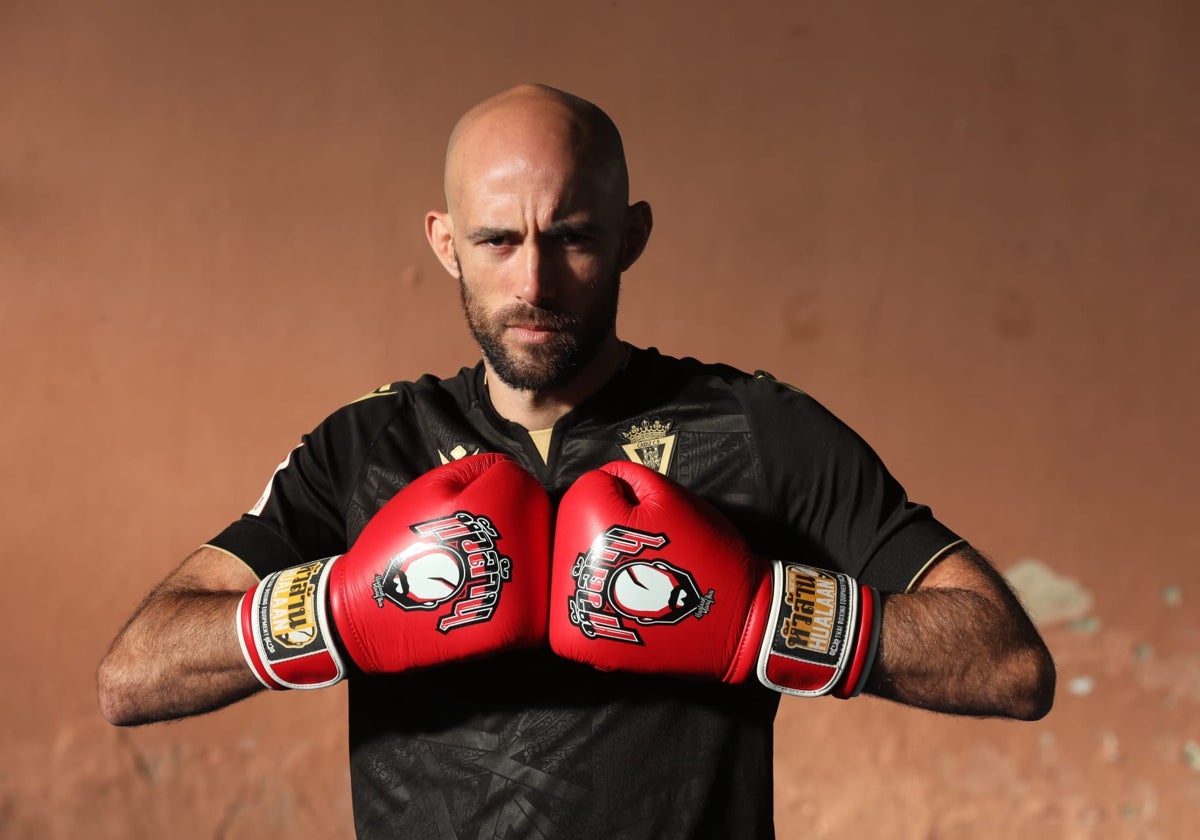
x=529 y=745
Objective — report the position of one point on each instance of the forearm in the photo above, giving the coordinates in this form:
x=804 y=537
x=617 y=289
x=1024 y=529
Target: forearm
x=182 y=659
x=956 y=649
x=179 y=655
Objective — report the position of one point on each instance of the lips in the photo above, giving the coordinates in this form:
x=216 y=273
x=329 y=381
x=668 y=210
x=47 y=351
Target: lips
x=534 y=326
x=541 y=328
x=532 y=334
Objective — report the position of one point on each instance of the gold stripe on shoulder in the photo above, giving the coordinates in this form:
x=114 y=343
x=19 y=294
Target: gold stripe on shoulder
x=381 y=391
x=762 y=374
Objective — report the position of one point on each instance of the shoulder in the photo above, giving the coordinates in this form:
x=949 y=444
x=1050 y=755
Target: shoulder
x=661 y=369
x=758 y=391
x=392 y=398
x=762 y=394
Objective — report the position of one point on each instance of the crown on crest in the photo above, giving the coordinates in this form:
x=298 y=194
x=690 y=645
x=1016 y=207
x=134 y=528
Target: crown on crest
x=647 y=431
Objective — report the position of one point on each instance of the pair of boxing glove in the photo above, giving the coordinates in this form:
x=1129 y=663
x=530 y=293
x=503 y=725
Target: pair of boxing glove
x=635 y=574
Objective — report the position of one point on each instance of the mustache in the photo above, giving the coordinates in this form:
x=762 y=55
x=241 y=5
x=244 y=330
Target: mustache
x=536 y=317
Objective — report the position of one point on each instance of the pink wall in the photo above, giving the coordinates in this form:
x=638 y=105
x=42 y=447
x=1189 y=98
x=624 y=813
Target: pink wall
x=970 y=229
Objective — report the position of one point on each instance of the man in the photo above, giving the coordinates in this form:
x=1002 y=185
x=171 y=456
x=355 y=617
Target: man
x=503 y=735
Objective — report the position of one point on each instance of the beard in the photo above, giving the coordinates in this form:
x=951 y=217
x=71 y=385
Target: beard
x=541 y=367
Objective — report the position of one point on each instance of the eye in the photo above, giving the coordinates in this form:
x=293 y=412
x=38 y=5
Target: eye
x=574 y=239
x=496 y=241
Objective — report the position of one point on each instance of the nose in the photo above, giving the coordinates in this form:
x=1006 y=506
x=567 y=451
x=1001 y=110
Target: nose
x=536 y=286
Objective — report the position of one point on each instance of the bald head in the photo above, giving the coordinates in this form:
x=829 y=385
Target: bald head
x=537 y=233
x=536 y=127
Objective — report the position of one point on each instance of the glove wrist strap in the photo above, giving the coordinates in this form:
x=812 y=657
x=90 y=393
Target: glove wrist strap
x=285 y=632
x=814 y=638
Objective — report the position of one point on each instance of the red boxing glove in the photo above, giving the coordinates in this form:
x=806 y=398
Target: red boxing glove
x=455 y=566
x=648 y=577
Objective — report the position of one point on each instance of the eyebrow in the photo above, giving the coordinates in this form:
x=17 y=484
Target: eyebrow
x=482 y=234
x=564 y=226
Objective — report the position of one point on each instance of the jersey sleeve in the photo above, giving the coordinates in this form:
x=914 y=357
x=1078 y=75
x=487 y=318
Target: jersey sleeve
x=830 y=484
x=301 y=515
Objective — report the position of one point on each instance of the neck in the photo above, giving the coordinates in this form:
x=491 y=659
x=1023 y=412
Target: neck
x=541 y=409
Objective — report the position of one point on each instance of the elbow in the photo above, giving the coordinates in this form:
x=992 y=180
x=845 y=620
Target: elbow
x=1032 y=694
x=116 y=701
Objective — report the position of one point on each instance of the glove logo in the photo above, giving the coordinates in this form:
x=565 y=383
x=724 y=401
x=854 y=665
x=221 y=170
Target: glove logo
x=813 y=615
x=614 y=589
x=457 y=565
x=290 y=610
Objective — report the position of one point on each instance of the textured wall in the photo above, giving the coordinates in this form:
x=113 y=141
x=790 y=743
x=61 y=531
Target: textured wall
x=967 y=227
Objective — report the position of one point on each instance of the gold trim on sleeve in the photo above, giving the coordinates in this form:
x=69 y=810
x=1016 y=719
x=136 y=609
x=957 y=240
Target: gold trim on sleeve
x=936 y=557
x=234 y=556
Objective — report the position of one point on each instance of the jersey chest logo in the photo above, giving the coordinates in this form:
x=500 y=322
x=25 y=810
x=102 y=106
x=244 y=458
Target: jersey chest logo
x=650 y=443
x=455 y=565
x=617 y=590
x=457 y=453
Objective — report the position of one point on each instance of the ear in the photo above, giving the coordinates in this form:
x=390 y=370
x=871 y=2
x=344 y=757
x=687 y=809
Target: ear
x=439 y=230
x=638 y=222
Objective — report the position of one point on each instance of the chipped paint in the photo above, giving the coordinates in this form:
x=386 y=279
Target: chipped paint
x=1191 y=755
x=1081 y=686
x=1050 y=598
x=1110 y=747
x=1088 y=625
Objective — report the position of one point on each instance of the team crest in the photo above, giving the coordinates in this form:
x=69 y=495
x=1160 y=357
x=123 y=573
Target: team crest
x=650 y=443
x=617 y=590
x=455 y=567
